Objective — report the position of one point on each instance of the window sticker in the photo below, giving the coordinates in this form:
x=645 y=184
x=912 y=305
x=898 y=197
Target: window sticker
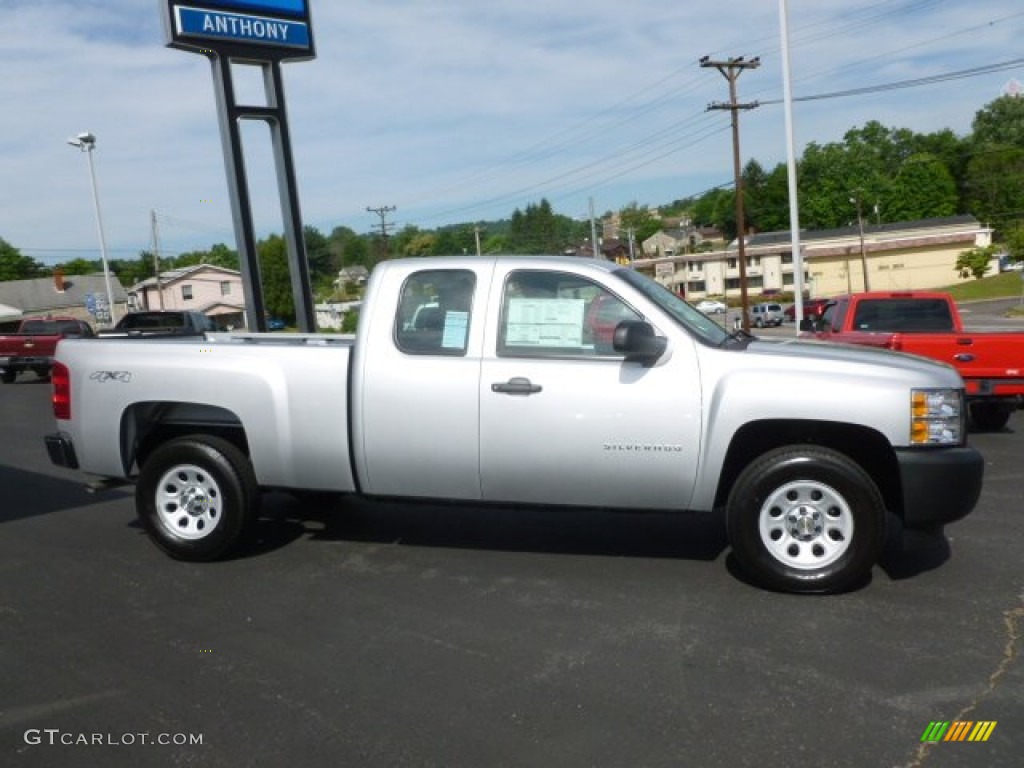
x=545 y=323
x=456 y=326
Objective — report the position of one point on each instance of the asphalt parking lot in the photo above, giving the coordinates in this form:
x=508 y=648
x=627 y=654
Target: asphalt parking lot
x=382 y=635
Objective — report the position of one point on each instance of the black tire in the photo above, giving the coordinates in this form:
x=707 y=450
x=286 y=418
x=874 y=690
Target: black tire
x=989 y=417
x=8 y=376
x=197 y=497
x=42 y=372
x=806 y=519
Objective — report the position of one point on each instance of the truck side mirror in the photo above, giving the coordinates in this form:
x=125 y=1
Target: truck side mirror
x=636 y=340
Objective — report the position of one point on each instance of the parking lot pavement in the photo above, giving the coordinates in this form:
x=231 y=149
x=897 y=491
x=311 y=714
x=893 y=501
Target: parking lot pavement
x=379 y=634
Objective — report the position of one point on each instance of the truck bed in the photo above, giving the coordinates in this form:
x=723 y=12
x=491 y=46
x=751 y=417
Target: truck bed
x=272 y=387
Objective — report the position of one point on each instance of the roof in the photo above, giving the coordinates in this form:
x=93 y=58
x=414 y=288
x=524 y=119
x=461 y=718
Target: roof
x=172 y=276
x=41 y=294
x=774 y=238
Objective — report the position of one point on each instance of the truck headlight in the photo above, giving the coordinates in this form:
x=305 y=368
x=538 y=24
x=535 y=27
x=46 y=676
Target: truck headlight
x=937 y=417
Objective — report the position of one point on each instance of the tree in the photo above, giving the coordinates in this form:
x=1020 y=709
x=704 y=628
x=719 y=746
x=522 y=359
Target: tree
x=1000 y=122
x=539 y=230
x=975 y=262
x=765 y=198
x=277 y=282
x=923 y=188
x=1015 y=242
x=994 y=183
x=357 y=251
x=218 y=255
x=15 y=266
x=421 y=244
x=640 y=220
x=81 y=267
x=318 y=253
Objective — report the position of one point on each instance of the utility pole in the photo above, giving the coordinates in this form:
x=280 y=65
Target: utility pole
x=383 y=211
x=595 y=247
x=731 y=69
x=863 y=250
x=156 y=258
x=476 y=236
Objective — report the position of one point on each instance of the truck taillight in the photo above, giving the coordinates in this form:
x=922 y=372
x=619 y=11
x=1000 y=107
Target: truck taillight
x=60 y=378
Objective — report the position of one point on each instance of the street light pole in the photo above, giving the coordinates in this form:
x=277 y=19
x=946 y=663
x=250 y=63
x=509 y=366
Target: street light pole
x=863 y=250
x=86 y=142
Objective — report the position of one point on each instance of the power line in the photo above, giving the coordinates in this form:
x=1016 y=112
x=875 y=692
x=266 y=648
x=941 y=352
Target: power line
x=900 y=84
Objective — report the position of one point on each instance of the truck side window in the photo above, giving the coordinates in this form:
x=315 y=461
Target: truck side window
x=556 y=314
x=434 y=312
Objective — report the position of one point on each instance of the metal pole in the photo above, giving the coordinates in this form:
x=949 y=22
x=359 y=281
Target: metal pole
x=863 y=250
x=794 y=207
x=87 y=147
x=228 y=114
x=593 y=232
x=156 y=261
x=288 y=192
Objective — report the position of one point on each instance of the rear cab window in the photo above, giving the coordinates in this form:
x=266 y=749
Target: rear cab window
x=435 y=309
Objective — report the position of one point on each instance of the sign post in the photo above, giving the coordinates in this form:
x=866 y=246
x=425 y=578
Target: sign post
x=264 y=33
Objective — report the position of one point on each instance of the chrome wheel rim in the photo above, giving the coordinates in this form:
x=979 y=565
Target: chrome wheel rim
x=189 y=502
x=806 y=525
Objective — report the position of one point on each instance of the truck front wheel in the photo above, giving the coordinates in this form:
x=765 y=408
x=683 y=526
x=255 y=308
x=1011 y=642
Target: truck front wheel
x=196 y=497
x=806 y=519
x=989 y=417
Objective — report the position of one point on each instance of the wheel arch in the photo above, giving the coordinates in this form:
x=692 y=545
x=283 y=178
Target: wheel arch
x=145 y=426
x=863 y=445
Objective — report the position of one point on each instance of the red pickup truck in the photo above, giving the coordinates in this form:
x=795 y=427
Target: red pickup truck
x=928 y=324
x=32 y=341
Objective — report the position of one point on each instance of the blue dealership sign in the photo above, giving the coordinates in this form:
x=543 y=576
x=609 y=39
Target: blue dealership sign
x=285 y=7
x=264 y=29
x=244 y=28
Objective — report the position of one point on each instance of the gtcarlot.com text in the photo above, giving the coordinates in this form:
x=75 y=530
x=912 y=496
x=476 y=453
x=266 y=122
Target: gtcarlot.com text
x=56 y=737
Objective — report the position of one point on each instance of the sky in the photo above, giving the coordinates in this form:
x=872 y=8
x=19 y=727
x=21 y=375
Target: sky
x=459 y=111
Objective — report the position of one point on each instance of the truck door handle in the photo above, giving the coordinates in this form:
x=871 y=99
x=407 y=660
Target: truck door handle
x=517 y=385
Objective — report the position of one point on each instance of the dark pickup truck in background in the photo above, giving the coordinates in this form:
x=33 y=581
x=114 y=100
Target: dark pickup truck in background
x=29 y=344
x=164 y=322
x=928 y=323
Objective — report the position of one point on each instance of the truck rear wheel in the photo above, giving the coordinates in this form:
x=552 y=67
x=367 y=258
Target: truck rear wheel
x=196 y=497
x=989 y=417
x=806 y=519
x=8 y=376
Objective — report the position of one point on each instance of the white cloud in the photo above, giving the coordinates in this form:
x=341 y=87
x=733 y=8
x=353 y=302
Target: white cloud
x=437 y=108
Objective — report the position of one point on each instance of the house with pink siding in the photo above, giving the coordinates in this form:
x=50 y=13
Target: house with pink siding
x=214 y=291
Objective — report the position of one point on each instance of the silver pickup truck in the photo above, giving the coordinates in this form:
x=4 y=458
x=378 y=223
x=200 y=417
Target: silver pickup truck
x=529 y=380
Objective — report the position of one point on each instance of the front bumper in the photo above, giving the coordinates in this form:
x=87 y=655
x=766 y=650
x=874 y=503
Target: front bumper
x=939 y=486
x=61 y=450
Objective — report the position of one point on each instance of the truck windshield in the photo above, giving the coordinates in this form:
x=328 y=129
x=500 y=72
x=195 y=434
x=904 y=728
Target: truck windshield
x=694 y=321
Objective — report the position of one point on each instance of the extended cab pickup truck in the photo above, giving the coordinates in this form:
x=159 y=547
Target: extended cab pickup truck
x=507 y=396
x=30 y=344
x=928 y=324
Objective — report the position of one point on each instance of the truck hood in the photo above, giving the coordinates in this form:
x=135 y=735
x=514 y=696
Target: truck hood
x=814 y=355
